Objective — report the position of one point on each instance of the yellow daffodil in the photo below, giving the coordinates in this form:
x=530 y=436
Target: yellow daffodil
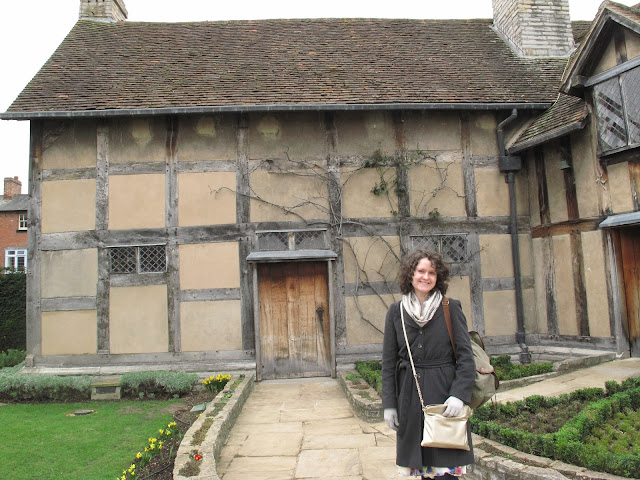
x=139 y=455
x=161 y=431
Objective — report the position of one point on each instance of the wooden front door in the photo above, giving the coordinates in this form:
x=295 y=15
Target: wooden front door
x=630 y=248
x=294 y=320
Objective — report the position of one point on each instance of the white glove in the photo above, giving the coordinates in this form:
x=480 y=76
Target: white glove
x=391 y=418
x=454 y=407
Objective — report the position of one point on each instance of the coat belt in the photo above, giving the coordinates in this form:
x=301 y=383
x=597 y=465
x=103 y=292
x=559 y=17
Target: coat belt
x=409 y=388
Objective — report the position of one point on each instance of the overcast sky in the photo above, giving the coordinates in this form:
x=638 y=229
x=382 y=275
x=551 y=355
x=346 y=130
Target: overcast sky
x=33 y=29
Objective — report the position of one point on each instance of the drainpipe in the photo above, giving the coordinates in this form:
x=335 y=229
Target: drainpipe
x=509 y=165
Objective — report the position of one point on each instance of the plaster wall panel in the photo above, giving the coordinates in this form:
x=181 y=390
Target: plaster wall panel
x=290 y=196
x=492 y=193
x=209 y=265
x=595 y=273
x=136 y=201
x=69 y=273
x=138 y=319
x=71 y=144
x=529 y=310
x=608 y=59
x=298 y=136
x=588 y=189
x=567 y=322
x=366 y=318
x=362 y=133
x=430 y=131
x=206 y=198
x=437 y=185
x=68 y=205
x=371 y=259
x=532 y=188
x=459 y=289
x=483 y=128
x=633 y=44
x=70 y=333
x=540 y=291
x=620 y=186
x=207 y=138
x=138 y=139
x=210 y=326
x=495 y=256
x=555 y=184
x=500 y=316
x=358 y=200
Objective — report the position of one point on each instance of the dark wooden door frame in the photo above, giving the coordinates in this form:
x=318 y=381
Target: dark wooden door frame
x=616 y=283
x=256 y=304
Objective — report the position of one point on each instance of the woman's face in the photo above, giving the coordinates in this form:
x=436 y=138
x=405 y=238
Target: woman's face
x=424 y=278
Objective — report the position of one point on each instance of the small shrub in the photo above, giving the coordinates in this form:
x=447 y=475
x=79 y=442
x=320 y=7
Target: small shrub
x=157 y=384
x=12 y=358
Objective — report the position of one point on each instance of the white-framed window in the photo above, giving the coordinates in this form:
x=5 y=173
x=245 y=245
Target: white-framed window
x=15 y=258
x=138 y=259
x=22 y=221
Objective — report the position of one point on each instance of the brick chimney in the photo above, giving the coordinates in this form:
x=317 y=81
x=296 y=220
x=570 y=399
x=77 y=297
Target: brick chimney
x=103 y=10
x=12 y=187
x=535 y=28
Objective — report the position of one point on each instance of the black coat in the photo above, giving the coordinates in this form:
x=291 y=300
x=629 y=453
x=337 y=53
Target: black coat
x=439 y=376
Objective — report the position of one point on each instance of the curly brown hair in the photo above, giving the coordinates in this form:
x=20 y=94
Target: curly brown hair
x=410 y=262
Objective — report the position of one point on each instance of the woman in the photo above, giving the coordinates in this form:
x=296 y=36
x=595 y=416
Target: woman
x=423 y=281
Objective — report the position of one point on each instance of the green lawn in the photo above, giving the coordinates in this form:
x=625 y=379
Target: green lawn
x=41 y=442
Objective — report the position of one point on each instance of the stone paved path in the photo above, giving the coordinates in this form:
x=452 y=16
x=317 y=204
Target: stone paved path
x=305 y=429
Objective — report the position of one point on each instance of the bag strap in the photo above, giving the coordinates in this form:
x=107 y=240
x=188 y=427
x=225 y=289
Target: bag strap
x=413 y=367
x=447 y=317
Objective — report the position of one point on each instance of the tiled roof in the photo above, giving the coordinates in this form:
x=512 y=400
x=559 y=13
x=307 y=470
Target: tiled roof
x=566 y=115
x=131 y=65
x=17 y=203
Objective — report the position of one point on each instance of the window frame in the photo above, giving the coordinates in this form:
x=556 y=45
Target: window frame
x=23 y=222
x=597 y=82
x=13 y=258
x=139 y=267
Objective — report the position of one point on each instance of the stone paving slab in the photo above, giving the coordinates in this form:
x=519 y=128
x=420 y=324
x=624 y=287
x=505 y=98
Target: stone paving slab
x=328 y=463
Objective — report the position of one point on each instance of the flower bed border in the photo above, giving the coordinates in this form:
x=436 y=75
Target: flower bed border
x=216 y=435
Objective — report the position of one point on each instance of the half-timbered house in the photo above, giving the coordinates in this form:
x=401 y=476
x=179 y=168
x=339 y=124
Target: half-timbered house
x=238 y=193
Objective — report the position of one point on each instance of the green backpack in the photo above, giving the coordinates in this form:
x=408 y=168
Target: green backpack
x=486 y=382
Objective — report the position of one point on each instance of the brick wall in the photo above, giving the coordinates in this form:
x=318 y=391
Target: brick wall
x=9 y=234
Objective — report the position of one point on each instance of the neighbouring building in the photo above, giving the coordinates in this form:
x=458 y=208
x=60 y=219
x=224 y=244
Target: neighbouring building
x=238 y=193
x=13 y=225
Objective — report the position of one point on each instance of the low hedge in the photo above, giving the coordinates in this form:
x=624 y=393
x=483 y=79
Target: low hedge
x=157 y=384
x=372 y=373
x=18 y=387
x=507 y=370
x=568 y=443
x=21 y=387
